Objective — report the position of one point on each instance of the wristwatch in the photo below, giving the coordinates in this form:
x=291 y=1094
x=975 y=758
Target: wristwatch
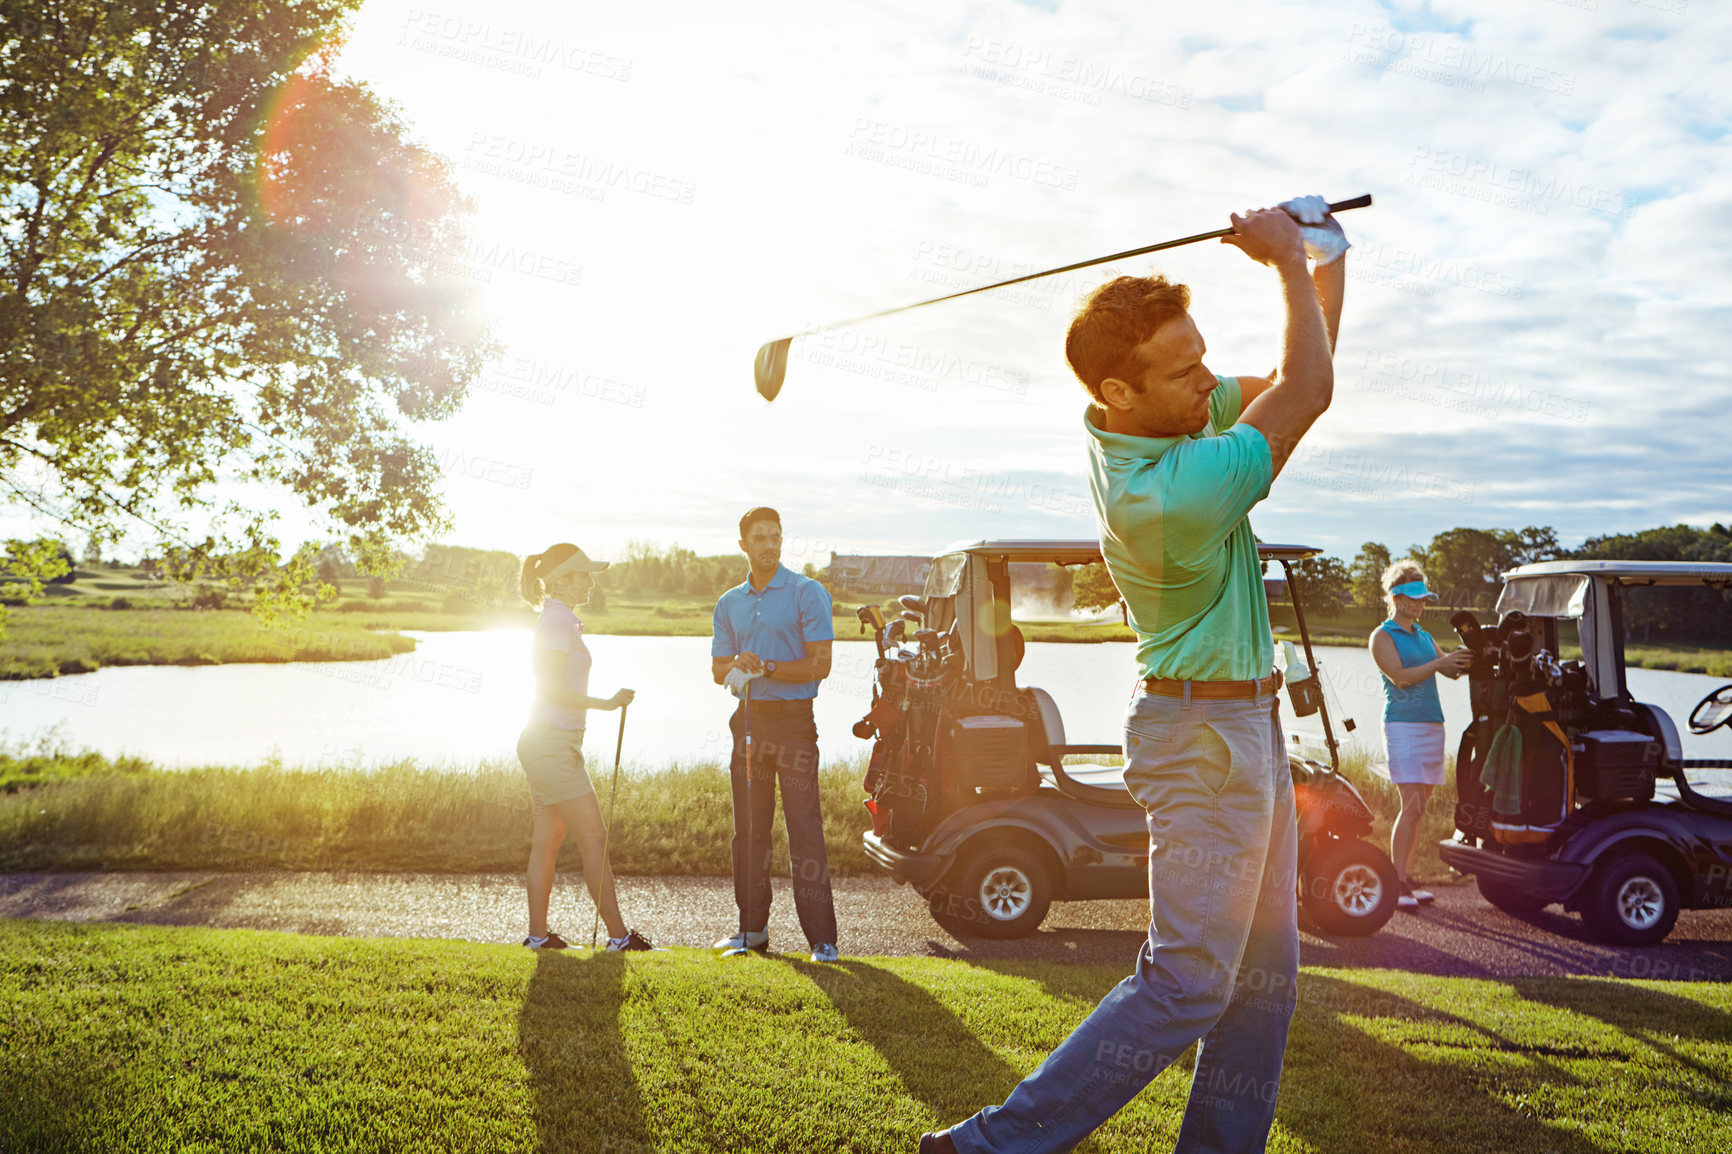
x=770 y=668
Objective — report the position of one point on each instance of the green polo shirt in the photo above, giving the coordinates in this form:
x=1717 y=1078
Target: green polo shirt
x=1177 y=541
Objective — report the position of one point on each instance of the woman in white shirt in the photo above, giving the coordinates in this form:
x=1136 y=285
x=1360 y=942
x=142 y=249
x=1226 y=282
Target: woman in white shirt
x=551 y=747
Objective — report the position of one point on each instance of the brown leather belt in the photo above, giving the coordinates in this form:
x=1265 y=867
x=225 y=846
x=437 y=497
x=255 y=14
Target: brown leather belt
x=766 y=706
x=1202 y=690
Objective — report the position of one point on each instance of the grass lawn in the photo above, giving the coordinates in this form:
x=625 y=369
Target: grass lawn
x=151 y=1039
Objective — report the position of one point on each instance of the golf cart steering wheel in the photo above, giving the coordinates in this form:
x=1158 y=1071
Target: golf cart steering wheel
x=1712 y=711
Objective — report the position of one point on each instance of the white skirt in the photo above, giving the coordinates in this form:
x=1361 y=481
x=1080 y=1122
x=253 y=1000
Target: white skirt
x=1415 y=751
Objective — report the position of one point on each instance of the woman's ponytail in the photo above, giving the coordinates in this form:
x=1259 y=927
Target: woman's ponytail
x=528 y=583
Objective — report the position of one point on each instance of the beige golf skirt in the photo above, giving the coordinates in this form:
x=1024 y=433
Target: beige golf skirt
x=553 y=761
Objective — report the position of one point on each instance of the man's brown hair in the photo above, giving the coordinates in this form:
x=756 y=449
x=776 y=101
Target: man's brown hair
x=753 y=516
x=1117 y=317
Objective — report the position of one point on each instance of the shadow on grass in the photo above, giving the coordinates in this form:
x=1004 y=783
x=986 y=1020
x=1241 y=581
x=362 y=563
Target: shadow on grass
x=1652 y=1017
x=939 y=1060
x=583 y=1092
x=1083 y=984
x=1345 y=1090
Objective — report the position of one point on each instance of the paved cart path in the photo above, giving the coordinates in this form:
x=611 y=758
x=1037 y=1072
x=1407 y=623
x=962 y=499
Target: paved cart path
x=1460 y=935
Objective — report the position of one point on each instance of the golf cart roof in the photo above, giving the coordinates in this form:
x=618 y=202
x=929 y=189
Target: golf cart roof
x=1084 y=551
x=1630 y=572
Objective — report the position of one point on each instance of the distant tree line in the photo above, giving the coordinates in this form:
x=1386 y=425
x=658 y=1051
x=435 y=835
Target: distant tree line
x=1465 y=568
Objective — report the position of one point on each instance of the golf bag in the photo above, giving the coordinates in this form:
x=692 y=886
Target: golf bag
x=904 y=720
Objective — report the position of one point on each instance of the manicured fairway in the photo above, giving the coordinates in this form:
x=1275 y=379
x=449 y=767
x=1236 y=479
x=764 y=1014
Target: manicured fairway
x=137 y=1039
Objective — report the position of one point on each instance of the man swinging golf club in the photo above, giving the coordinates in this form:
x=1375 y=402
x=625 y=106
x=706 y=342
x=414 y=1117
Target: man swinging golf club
x=771 y=647
x=1177 y=459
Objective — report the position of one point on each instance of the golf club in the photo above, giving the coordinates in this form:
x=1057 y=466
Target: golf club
x=607 y=832
x=751 y=855
x=771 y=365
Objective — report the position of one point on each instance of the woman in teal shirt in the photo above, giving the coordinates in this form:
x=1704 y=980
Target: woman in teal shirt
x=1412 y=714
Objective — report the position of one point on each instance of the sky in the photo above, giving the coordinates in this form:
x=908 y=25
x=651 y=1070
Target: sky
x=1538 y=303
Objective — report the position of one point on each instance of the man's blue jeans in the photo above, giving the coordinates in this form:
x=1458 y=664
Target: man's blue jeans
x=1222 y=958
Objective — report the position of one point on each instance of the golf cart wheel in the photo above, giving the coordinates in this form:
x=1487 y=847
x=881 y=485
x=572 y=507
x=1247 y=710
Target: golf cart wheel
x=1630 y=901
x=997 y=891
x=1508 y=898
x=1349 y=889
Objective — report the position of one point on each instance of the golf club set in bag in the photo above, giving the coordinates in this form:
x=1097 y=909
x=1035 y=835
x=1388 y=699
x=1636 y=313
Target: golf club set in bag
x=1540 y=743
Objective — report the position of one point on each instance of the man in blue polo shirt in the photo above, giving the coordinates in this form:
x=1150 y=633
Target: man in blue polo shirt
x=1177 y=459
x=772 y=639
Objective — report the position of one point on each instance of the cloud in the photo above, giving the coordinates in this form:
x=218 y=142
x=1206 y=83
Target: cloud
x=1535 y=321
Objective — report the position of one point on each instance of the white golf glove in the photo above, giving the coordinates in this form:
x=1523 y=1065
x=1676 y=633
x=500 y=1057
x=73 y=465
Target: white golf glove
x=1325 y=243
x=737 y=680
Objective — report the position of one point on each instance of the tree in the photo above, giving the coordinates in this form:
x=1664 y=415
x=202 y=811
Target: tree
x=1322 y=585
x=1464 y=564
x=1092 y=587
x=1532 y=544
x=218 y=258
x=1366 y=573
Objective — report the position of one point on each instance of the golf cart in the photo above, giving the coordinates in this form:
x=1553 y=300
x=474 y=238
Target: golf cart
x=1572 y=791
x=975 y=804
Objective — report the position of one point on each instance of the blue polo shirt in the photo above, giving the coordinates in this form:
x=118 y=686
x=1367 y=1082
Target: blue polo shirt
x=1416 y=702
x=775 y=622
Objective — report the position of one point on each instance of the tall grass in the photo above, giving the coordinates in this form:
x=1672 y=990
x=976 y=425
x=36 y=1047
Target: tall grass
x=61 y=810
x=404 y=816
x=43 y=640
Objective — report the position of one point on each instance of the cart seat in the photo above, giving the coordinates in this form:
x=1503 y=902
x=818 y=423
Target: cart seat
x=1051 y=747
x=1089 y=773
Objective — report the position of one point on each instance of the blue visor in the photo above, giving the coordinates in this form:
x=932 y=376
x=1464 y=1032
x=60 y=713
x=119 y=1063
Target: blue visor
x=1415 y=589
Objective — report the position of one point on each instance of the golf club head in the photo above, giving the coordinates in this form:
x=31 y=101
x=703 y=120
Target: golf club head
x=771 y=367
x=1467 y=626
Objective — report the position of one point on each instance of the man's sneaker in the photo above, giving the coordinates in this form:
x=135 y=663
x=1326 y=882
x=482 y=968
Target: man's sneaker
x=756 y=940
x=1423 y=897
x=1406 y=902
x=551 y=942
x=825 y=952
x=631 y=942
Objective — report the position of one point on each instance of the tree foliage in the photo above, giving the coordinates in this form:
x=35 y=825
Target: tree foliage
x=1671 y=614
x=1366 y=573
x=1092 y=587
x=1323 y=585
x=649 y=568
x=1466 y=566
x=219 y=261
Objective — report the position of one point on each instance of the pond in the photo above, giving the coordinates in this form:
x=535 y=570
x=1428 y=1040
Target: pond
x=461 y=697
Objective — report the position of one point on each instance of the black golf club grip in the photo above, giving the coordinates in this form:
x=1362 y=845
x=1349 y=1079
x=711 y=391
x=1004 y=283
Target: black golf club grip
x=1353 y=202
